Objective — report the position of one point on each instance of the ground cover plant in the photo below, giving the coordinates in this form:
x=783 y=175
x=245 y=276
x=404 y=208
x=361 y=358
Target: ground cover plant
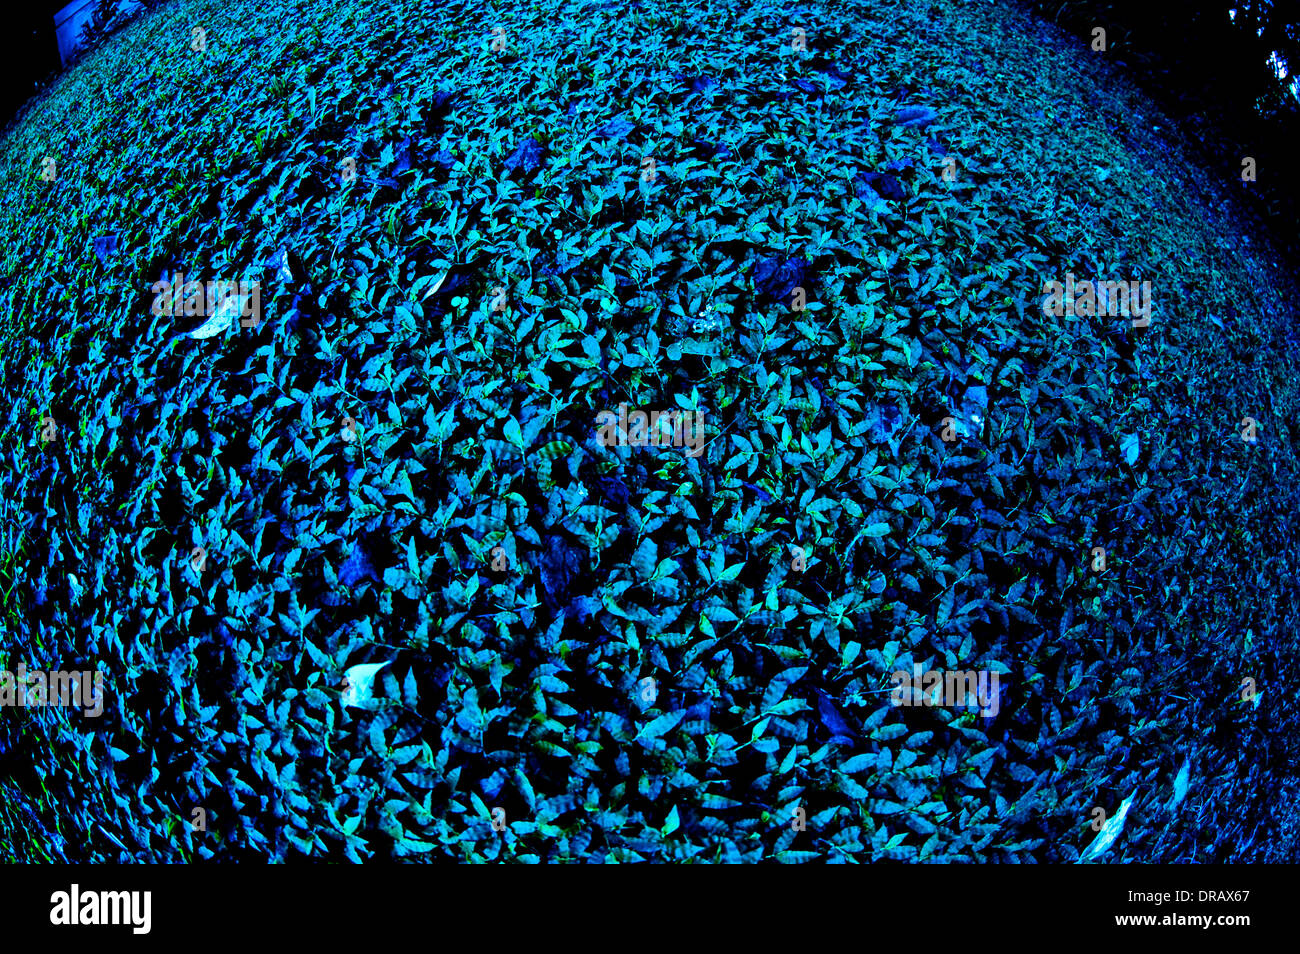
x=366 y=584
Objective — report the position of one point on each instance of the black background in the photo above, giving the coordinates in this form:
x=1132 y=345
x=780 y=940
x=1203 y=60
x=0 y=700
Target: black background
x=31 y=52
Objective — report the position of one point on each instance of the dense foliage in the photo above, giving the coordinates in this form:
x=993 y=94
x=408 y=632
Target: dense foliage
x=1215 y=65
x=614 y=645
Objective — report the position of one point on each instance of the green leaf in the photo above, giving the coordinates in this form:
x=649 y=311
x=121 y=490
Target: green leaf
x=789 y=707
x=945 y=606
x=513 y=434
x=731 y=572
x=672 y=823
x=657 y=727
x=860 y=763
x=797 y=857
x=778 y=687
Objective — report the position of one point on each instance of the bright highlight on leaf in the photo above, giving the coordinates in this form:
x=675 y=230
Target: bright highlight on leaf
x=359 y=685
x=1109 y=832
x=1181 y=784
x=1130 y=446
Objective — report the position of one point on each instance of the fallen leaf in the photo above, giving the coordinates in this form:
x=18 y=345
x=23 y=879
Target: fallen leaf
x=1109 y=832
x=360 y=684
x=1181 y=784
